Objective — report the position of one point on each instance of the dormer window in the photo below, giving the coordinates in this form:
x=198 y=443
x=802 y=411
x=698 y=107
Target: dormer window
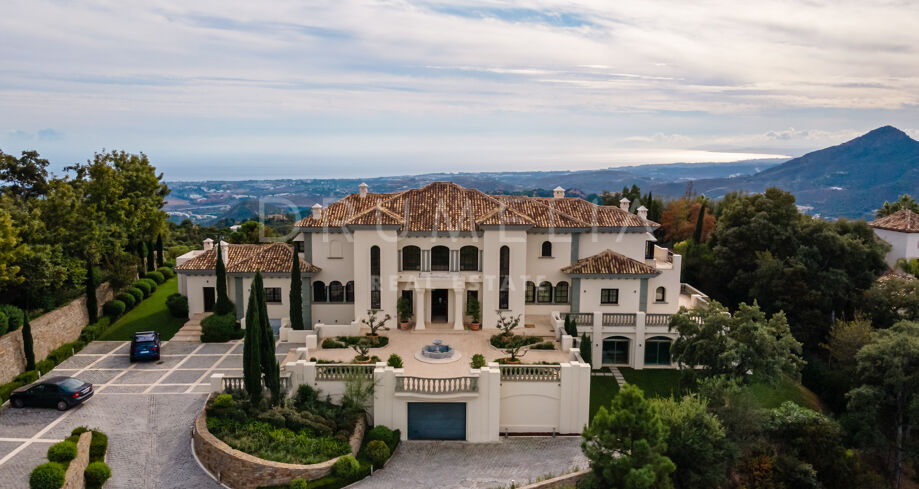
x=546 y=249
x=649 y=250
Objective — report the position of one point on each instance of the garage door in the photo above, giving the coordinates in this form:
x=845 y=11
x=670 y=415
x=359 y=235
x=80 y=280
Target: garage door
x=437 y=421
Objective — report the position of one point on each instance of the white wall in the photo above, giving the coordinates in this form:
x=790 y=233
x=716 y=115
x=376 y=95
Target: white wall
x=194 y=292
x=631 y=245
x=670 y=280
x=902 y=245
x=629 y=292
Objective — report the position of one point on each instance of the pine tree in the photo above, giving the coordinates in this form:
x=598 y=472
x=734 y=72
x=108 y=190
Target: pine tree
x=151 y=263
x=223 y=304
x=296 y=297
x=27 y=347
x=92 y=305
x=252 y=367
x=159 y=250
x=700 y=221
x=270 y=367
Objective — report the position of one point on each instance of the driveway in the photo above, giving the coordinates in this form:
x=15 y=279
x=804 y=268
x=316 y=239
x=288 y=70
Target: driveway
x=460 y=465
x=146 y=409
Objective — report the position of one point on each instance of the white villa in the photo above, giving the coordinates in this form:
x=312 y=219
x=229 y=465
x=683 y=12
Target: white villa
x=901 y=231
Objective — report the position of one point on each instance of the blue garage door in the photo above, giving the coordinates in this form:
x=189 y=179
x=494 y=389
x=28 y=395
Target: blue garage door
x=437 y=421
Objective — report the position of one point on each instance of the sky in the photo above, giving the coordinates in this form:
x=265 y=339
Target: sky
x=232 y=89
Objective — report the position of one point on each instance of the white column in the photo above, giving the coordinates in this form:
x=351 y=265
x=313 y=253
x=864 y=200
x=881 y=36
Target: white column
x=418 y=297
x=458 y=308
x=217 y=383
x=638 y=357
x=596 y=338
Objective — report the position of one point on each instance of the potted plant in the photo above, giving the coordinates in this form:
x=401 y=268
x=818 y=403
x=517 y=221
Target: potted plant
x=404 y=307
x=474 y=311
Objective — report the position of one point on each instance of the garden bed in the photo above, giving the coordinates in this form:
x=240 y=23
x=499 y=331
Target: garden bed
x=340 y=342
x=502 y=341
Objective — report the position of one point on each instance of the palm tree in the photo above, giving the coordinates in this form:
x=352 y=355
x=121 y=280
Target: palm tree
x=903 y=202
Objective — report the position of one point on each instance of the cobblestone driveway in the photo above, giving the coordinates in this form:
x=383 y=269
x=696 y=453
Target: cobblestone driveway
x=146 y=409
x=459 y=465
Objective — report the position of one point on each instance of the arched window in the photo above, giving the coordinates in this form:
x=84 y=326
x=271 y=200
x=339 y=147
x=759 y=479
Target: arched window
x=411 y=258
x=504 y=271
x=440 y=259
x=657 y=351
x=319 y=292
x=335 y=248
x=530 y=293
x=616 y=350
x=374 y=277
x=336 y=292
x=469 y=259
x=349 y=291
x=660 y=295
x=544 y=293
x=546 y=248
x=561 y=293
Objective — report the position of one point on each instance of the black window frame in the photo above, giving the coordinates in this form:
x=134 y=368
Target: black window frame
x=469 y=259
x=318 y=286
x=530 y=293
x=440 y=259
x=544 y=292
x=273 y=295
x=336 y=288
x=546 y=251
x=563 y=285
x=660 y=294
x=413 y=263
x=349 y=292
x=609 y=296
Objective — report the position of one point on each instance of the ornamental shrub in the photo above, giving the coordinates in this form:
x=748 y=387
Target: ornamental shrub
x=331 y=343
x=220 y=328
x=177 y=305
x=79 y=430
x=298 y=484
x=96 y=474
x=97 y=446
x=167 y=272
x=128 y=299
x=8 y=388
x=4 y=323
x=62 y=452
x=384 y=434
x=44 y=366
x=113 y=308
x=137 y=293
x=27 y=377
x=143 y=286
x=47 y=476
x=346 y=467
x=155 y=276
x=478 y=361
x=14 y=316
x=394 y=361
x=150 y=282
x=377 y=452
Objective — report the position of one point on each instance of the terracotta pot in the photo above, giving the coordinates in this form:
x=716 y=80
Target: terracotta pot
x=405 y=326
x=475 y=326
x=511 y=362
x=363 y=361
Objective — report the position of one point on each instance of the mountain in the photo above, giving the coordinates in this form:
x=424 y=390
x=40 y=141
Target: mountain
x=849 y=180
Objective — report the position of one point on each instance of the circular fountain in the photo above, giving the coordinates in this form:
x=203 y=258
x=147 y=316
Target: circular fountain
x=437 y=352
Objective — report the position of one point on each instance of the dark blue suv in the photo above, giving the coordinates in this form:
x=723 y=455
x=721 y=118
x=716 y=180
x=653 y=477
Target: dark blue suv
x=145 y=346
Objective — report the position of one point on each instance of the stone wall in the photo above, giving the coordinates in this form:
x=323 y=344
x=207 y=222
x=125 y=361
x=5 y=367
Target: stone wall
x=49 y=331
x=74 y=478
x=560 y=482
x=240 y=470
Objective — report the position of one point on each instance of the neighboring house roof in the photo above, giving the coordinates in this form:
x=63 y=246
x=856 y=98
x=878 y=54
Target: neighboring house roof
x=904 y=220
x=250 y=258
x=446 y=206
x=608 y=262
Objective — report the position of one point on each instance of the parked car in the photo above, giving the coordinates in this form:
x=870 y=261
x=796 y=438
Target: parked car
x=145 y=346
x=60 y=392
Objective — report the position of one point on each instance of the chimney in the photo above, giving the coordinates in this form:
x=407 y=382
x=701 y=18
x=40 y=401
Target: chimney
x=363 y=188
x=208 y=244
x=624 y=204
x=317 y=210
x=642 y=212
x=225 y=251
x=558 y=192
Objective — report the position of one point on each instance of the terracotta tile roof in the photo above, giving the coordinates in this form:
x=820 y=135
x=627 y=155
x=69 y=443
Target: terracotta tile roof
x=446 y=206
x=250 y=258
x=609 y=262
x=904 y=220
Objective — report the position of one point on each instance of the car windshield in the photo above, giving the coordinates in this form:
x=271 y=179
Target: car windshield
x=71 y=384
x=145 y=344
x=144 y=338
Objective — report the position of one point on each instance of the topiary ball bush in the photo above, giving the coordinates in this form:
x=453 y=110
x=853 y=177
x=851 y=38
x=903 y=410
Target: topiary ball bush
x=378 y=452
x=47 y=476
x=62 y=452
x=177 y=305
x=114 y=308
x=155 y=276
x=167 y=272
x=298 y=484
x=346 y=467
x=98 y=445
x=137 y=293
x=395 y=361
x=96 y=474
x=128 y=299
x=149 y=282
x=143 y=286
x=220 y=328
x=384 y=434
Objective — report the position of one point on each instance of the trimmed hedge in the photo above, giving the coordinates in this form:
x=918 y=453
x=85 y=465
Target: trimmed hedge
x=144 y=287
x=8 y=388
x=177 y=305
x=137 y=293
x=384 y=434
x=62 y=452
x=95 y=330
x=98 y=446
x=150 y=282
x=96 y=474
x=219 y=328
x=167 y=272
x=128 y=299
x=155 y=276
x=378 y=452
x=298 y=484
x=346 y=467
x=27 y=377
x=47 y=476
x=113 y=308
x=44 y=366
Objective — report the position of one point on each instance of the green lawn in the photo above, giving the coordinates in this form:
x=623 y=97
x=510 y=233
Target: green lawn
x=655 y=382
x=773 y=396
x=602 y=391
x=150 y=315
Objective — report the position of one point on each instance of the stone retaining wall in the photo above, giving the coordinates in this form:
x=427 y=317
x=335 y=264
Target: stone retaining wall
x=74 y=478
x=560 y=482
x=49 y=331
x=239 y=470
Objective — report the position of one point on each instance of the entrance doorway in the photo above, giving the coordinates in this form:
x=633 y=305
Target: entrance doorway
x=439 y=305
x=210 y=297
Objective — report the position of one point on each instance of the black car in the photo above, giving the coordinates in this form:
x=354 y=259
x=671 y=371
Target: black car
x=145 y=346
x=60 y=392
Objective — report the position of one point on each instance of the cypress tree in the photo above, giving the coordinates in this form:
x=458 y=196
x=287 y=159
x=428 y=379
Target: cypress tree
x=27 y=347
x=700 y=221
x=159 y=250
x=151 y=263
x=270 y=367
x=296 y=297
x=92 y=306
x=141 y=255
x=252 y=368
x=223 y=304
x=586 y=350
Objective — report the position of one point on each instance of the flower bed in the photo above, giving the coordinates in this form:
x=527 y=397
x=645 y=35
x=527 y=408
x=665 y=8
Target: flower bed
x=346 y=341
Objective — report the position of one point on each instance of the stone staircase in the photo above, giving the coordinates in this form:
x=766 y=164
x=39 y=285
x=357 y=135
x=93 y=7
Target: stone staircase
x=191 y=330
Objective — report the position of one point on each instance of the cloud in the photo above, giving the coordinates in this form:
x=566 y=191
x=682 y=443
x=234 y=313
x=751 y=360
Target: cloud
x=49 y=135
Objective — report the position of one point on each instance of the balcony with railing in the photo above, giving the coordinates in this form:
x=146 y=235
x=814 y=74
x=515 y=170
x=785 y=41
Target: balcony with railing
x=531 y=373
x=435 y=386
x=580 y=318
x=343 y=372
x=618 y=319
x=657 y=320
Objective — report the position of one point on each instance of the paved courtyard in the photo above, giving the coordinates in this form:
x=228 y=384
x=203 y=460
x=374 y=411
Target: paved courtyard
x=459 y=465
